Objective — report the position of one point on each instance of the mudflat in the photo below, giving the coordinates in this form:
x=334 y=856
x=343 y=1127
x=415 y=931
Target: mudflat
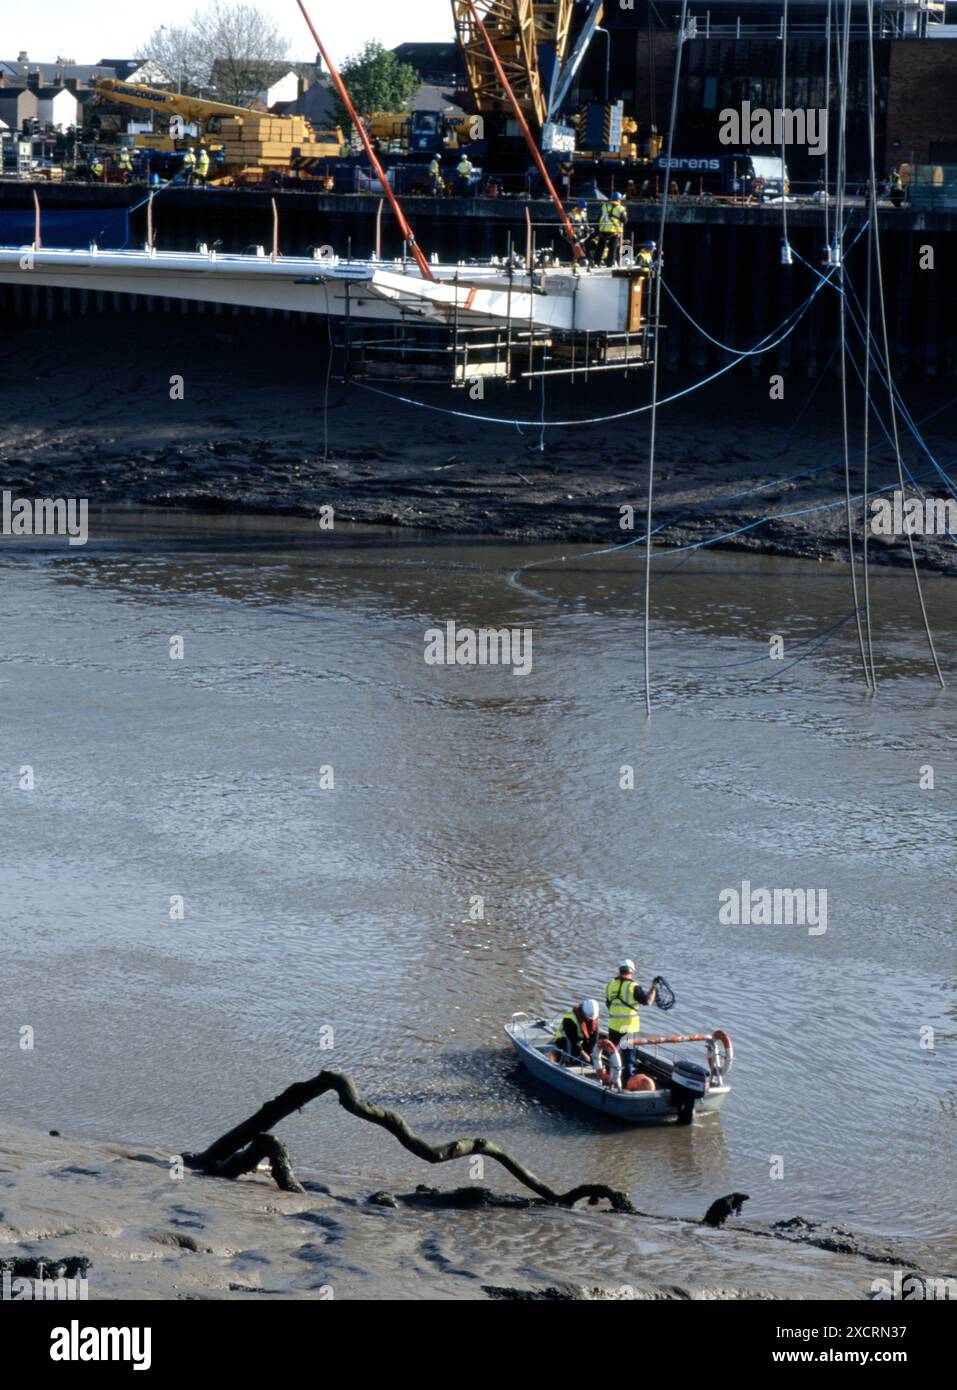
x=231 y=412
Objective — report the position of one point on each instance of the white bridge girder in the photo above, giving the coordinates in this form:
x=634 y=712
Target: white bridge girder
x=558 y=299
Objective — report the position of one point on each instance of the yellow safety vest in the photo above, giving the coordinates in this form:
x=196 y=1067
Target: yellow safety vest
x=189 y=158
x=124 y=160
x=612 y=217
x=465 y=168
x=581 y=1038
x=622 y=1006
x=202 y=162
x=435 y=168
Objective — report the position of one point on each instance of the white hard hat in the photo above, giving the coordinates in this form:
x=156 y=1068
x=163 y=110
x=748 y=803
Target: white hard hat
x=589 y=1008
x=626 y=967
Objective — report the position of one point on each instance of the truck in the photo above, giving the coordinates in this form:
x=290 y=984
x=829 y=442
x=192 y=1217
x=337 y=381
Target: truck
x=743 y=175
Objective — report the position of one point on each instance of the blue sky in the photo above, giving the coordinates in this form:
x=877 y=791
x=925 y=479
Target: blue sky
x=88 y=30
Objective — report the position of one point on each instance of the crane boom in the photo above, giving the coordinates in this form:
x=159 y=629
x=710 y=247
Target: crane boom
x=500 y=37
x=564 y=77
x=527 y=36
x=156 y=99
x=571 y=235
x=252 y=140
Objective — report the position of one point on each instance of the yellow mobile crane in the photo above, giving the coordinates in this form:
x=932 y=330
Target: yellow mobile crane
x=254 y=143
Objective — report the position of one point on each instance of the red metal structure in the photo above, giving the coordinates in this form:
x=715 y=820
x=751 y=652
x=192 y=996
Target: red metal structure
x=400 y=216
x=577 y=249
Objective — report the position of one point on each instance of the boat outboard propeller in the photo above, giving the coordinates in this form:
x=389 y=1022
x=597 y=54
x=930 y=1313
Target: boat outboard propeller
x=664 y=994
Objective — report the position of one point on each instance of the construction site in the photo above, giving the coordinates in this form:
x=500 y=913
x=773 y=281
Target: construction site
x=593 y=82
x=509 y=193
x=441 y=518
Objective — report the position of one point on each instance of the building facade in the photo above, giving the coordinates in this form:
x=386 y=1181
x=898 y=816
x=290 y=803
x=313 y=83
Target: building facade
x=732 y=54
x=57 y=108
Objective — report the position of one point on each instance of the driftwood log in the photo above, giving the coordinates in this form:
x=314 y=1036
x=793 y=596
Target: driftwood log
x=243 y=1148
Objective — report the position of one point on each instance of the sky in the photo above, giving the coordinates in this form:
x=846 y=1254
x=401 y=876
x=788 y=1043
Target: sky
x=88 y=30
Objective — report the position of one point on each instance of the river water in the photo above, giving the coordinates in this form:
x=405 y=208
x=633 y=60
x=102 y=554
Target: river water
x=353 y=907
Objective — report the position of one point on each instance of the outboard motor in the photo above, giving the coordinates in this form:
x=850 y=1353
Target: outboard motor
x=689 y=1083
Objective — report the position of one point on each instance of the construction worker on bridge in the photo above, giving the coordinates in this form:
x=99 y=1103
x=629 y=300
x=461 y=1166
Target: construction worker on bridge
x=124 y=164
x=96 y=169
x=646 y=256
x=611 y=228
x=578 y=216
x=189 y=166
x=466 y=173
x=202 y=165
x=579 y=219
x=435 y=176
x=895 y=186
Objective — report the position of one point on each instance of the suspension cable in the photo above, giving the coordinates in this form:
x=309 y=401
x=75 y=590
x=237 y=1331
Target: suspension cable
x=654 y=364
x=887 y=353
x=839 y=250
x=400 y=217
x=827 y=122
x=871 y=98
x=784 y=107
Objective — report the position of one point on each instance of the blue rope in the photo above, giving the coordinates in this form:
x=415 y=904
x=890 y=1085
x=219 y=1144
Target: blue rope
x=895 y=394
x=763 y=345
x=688 y=550
x=829 y=633
x=751 y=660
x=897 y=397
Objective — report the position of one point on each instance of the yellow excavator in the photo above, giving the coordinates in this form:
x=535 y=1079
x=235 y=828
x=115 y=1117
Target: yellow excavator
x=255 y=144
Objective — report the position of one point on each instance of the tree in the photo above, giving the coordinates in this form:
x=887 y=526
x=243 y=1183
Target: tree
x=244 y=48
x=175 y=51
x=231 y=51
x=377 y=81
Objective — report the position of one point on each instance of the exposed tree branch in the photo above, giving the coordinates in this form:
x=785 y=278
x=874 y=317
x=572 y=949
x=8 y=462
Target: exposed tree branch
x=248 y=1158
x=242 y=1147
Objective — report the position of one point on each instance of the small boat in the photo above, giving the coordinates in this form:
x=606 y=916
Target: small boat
x=682 y=1088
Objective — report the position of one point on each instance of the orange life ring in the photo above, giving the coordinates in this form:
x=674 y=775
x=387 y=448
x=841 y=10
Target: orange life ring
x=720 y=1036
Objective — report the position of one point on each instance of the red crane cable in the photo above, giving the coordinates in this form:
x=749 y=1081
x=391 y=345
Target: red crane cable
x=400 y=216
x=571 y=237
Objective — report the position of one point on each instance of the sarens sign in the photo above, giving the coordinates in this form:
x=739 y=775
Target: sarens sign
x=693 y=163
